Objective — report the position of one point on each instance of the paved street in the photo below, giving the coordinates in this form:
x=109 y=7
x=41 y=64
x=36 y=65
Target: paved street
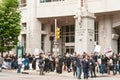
x=34 y=75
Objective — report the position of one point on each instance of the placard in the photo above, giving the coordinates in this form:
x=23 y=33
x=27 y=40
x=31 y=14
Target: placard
x=97 y=48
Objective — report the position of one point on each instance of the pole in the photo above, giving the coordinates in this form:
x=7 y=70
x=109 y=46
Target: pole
x=55 y=28
x=51 y=47
x=55 y=37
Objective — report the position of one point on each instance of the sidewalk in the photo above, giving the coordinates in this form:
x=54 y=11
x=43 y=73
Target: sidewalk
x=64 y=74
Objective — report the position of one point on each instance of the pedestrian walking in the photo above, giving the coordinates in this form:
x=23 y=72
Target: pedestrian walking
x=41 y=65
x=79 y=66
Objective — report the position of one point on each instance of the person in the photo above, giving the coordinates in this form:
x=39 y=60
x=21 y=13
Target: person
x=114 y=58
x=74 y=65
x=102 y=66
x=60 y=64
x=33 y=62
x=92 y=67
x=79 y=66
x=109 y=64
x=26 y=63
x=85 y=64
x=46 y=67
x=9 y=62
x=68 y=60
x=19 y=64
x=41 y=65
x=57 y=64
x=1 y=62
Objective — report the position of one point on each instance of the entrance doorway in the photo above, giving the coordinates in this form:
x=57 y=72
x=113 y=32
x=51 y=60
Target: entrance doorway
x=70 y=49
x=68 y=38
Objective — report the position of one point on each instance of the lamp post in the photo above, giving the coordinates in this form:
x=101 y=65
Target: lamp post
x=55 y=36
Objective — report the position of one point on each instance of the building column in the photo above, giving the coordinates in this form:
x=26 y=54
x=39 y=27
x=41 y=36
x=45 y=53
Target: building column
x=84 y=32
x=105 y=34
x=33 y=28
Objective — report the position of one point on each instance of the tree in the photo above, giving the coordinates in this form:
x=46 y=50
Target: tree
x=9 y=24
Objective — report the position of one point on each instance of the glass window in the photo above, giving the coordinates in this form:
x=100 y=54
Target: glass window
x=24 y=26
x=96 y=32
x=64 y=39
x=67 y=28
x=52 y=28
x=24 y=40
x=67 y=39
x=72 y=39
x=63 y=30
x=72 y=28
x=43 y=27
x=23 y=3
x=69 y=49
x=42 y=42
x=68 y=33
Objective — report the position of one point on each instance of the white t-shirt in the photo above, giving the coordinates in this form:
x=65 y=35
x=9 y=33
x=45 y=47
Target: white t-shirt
x=19 y=60
x=99 y=61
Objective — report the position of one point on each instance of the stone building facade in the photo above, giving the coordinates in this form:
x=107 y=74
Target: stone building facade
x=83 y=23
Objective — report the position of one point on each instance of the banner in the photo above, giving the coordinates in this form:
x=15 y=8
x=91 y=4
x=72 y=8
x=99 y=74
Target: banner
x=97 y=48
x=108 y=51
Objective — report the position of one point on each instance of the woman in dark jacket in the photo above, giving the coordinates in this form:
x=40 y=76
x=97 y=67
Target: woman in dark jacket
x=85 y=64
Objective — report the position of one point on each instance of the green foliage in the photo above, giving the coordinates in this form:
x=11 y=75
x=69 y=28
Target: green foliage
x=9 y=24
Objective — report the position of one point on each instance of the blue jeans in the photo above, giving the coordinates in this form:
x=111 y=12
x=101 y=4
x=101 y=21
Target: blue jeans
x=102 y=68
x=86 y=73
x=116 y=68
x=79 y=72
x=8 y=65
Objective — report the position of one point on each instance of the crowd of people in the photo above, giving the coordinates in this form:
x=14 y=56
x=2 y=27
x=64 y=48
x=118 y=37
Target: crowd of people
x=86 y=64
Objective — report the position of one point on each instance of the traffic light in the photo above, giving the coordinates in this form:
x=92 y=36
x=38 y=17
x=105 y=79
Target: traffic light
x=58 y=33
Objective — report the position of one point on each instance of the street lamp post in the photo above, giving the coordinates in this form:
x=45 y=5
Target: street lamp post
x=55 y=36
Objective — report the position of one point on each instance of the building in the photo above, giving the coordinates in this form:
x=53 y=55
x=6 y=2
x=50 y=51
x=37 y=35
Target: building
x=83 y=24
